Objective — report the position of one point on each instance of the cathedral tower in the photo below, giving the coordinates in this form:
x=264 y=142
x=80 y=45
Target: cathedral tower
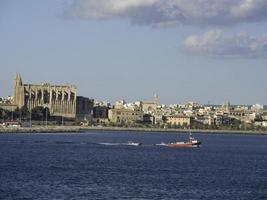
x=18 y=93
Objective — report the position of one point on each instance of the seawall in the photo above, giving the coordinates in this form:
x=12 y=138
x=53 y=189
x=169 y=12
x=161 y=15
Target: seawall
x=80 y=129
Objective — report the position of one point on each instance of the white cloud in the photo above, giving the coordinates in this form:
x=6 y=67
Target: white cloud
x=211 y=13
x=219 y=44
x=103 y=9
x=159 y=12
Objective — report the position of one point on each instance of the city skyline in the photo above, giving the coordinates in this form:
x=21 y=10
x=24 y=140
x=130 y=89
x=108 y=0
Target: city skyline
x=154 y=98
x=118 y=52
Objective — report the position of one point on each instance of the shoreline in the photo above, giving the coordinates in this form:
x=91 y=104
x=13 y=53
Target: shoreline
x=80 y=129
x=161 y=130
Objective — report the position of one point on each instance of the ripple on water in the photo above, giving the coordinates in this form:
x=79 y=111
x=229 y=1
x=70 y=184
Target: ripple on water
x=81 y=167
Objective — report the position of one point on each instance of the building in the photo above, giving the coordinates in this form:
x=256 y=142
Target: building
x=148 y=119
x=225 y=120
x=119 y=104
x=261 y=124
x=178 y=120
x=204 y=119
x=100 y=112
x=84 y=107
x=150 y=106
x=158 y=119
x=125 y=116
x=59 y=99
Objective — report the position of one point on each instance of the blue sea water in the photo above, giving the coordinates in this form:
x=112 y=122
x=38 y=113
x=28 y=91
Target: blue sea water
x=78 y=166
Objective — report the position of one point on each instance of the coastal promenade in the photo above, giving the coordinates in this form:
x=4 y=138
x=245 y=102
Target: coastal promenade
x=42 y=129
x=80 y=129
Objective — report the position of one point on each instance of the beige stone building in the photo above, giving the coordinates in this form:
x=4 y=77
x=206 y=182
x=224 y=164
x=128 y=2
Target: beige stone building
x=178 y=120
x=127 y=116
x=59 y=99
x=150 y=106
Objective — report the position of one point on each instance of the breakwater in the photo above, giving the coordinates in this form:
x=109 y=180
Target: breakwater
x=79 y=129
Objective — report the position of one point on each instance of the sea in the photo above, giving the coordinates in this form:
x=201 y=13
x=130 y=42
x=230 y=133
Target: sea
x=99 y=165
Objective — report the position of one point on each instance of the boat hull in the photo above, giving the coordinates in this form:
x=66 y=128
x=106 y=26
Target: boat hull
x=184 y=145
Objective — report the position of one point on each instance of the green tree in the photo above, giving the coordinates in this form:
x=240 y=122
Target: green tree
x=40 y=113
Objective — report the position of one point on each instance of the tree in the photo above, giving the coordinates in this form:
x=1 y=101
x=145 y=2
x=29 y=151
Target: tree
x=24 y=112
x=5 y=114
x=40 y=113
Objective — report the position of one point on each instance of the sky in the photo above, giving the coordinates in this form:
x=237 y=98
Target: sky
x=208 y=51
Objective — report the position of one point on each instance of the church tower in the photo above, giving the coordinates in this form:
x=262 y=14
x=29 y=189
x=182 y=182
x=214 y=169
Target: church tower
x=18 y=93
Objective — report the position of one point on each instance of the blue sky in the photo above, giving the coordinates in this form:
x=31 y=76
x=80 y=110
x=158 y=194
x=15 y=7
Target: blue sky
x=205 y=51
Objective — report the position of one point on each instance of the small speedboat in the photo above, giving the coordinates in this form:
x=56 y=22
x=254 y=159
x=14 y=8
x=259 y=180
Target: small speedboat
x=131 y=143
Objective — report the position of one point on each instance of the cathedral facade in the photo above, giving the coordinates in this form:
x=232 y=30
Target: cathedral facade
x=59 y=99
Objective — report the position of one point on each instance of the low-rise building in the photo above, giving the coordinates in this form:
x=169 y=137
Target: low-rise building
x=119 y=104
x=148 y=119
x=158 y=119
x=225 y=120
x=257 y=108
x=205 y=120
x=125 y=116
x=261 y=124
x=178 y=120
x=100 y=112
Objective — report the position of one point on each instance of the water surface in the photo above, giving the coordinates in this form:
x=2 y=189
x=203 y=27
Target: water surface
x=77 y=166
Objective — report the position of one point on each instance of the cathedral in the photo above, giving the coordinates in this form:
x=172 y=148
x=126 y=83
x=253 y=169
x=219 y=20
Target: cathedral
x=59 y=99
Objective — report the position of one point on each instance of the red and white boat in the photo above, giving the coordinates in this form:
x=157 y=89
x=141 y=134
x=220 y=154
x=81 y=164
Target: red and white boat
x=192 y=142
